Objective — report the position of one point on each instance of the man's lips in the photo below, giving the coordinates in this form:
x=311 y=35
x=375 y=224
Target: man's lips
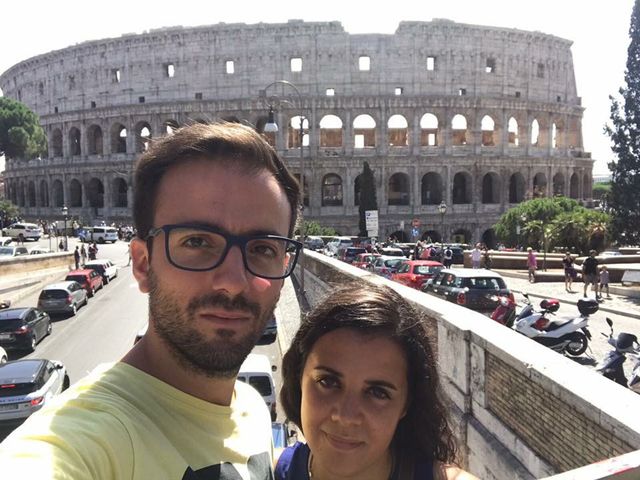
x=342 y=443
x=224 y=316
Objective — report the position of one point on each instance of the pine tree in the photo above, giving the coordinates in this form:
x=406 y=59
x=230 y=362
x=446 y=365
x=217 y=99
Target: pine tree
x=624 y=200
x=368 y=200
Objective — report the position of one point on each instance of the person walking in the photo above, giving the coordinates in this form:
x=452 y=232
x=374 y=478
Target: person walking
x=83 y=254
x=476 y=256
x=590 y=273
x=569 y=271
x=532 y=264
x=448 y=257
x=604 y=280
x=76 y=257
x=172 y=406
x=487 y=259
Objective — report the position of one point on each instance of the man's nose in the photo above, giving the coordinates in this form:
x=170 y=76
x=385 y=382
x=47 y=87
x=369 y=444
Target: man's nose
x=231 y=275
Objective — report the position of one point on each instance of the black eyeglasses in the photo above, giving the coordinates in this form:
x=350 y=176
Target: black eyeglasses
x=199 y=248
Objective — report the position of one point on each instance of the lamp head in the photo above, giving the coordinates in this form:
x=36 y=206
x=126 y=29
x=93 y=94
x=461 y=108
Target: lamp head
x=271 y=126
x=442 y=208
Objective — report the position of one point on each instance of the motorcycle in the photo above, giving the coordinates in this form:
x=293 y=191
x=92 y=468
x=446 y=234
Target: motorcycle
x=612 y=364
x=5 y=304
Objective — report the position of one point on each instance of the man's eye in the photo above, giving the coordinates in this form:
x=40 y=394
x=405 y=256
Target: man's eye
x=264 y=250
x=195 y=242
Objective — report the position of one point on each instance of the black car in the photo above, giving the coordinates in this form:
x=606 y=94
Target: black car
x=477 y=289
x=23 y=328
x=270 y=332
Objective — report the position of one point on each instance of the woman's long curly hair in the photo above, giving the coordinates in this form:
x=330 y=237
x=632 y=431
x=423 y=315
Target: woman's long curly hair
x=424 y=432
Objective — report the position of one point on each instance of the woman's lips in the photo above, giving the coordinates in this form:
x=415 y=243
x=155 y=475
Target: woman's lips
x=342 y=443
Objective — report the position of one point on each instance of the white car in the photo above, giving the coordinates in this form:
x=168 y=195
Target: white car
x=39 y=251
x=4 y=241
x=29 y=231
x=13 y=251
x=104 y=267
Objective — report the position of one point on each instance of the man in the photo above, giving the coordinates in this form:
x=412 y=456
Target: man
x=590 y=273
x=448 y=257
x=532 y=265
x=76 y=257
x=476 y=256
x=214 y=208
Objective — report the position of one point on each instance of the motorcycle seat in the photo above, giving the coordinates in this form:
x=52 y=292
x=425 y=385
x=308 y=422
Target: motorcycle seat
x=554 y=325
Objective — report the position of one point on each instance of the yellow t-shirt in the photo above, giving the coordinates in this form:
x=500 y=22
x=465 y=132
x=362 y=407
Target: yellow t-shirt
x=120 y=423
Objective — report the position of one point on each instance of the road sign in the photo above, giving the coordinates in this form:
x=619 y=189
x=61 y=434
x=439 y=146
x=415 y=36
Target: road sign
x=371 y=220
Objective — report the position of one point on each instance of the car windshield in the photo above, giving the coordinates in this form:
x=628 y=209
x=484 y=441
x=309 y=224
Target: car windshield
x=6 y=251
x=52 y=294
x=261 y=384
x=393 y=262
x=426 y=269
x=7 y=324
x=76 y=278
x=485 y=283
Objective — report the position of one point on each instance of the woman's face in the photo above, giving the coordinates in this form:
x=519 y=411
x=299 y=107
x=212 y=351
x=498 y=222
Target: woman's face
x=354 y=393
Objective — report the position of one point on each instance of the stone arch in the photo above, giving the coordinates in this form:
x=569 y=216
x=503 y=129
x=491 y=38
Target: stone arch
x=118 y=138
x=535 y=133
x=429 y=132
x=462 y=183
x=95 y=140
x=119 y=189
x=31 y=194
x=586 y=187
x=488 y=127
x=75 y=193
x=459 y=130
x=539 y=185
x=170 y=126
x=293 y=132
x=558 y=184
x=512 y=132
x=491 y=191
x=58 y=193
x=431 y=236
x=516 y=188
x=364 y=131
x=331 y=131
x=95 y=193
x=56 y=143
x=142 y=132
x=574 y=186
x=398 y=192
x=398 y=131
x=74 y=142
x=331 y=190
x=44 y=193
x=461 y=235
x=431 y=189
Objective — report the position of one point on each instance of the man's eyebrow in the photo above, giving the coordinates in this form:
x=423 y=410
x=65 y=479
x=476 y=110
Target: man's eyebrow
x=254 y=232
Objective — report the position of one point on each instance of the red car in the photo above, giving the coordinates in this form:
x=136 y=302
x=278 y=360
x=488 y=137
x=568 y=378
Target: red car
x=90 y=280
x=413 y=273
x=363 y=260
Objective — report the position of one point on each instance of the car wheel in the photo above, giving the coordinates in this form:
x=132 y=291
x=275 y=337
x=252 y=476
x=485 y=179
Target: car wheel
x=74 y=309
x=92 y=292
x=49 y=329
x=3 y=359
x=86 y=300
x=105 y=280
x=32 y=346
x=66 y=382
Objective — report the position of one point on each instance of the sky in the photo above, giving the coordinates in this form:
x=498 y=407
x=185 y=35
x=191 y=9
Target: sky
x=599 y=31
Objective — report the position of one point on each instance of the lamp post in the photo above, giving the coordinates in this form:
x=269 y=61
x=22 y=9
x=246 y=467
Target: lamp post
x=272 y=127
x=442 y=208
x=65 y=212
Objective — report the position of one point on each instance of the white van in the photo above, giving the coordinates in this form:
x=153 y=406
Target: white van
x=256 y=371
x=102 y=234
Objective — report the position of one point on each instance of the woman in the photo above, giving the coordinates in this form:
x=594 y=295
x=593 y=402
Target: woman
x=360 y=382
x=569 y=271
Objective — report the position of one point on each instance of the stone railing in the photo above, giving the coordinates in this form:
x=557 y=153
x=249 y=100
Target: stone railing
x=521 y=411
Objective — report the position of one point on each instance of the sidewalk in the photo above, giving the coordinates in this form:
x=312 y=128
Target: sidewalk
x=618 y=304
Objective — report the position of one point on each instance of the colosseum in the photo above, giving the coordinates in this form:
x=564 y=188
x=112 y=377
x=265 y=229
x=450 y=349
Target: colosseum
x=472 y=117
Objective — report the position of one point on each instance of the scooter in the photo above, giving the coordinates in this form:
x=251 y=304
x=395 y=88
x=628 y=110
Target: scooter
x=612 y=364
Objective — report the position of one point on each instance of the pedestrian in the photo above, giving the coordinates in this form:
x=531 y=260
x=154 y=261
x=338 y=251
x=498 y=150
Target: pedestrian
x=487 y=259
x=83 y=254
x=532 y=264
x=351 y=379
x=129 y=251
x=76 y=257
x=590 y=273
x=604 y=280
x=569 y=270
x=171 y=407
x=448 y=256
x=476 y=256
x=61 y=245
x=21 y=238
x=93 y=250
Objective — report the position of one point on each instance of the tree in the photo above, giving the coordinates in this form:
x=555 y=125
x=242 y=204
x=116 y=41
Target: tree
x=21 y=135
x=624 y=201
x=314 y=228
x=368 y=200
x=8 y=211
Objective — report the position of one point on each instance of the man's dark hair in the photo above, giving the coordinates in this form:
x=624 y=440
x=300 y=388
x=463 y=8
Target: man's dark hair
x=424 y=431
x=237 y=146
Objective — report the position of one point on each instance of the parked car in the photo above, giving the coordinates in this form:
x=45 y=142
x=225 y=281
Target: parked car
x=62 y=297
x=22 y=328
x=335 y=243
x=314 y=243
x=413 y=273
x=256 y=370
x=477 y=289
x=39 y=251
x=13 y=251
x=349 y=254
x=29 y=231
x=270 y=332
x=365 y=260
x=100 y=234
x=104 y=267
x=4 y=241
x=3 y=356
x=90 y=280
x=392 y=252
x=28 y=385
x=387 y=266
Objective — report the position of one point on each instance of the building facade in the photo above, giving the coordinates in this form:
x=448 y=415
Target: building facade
x=477 y=117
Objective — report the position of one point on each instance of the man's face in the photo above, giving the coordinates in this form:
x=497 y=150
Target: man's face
x=209 y=321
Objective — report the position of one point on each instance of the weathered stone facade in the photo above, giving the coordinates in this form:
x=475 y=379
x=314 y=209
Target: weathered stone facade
x=479 y=117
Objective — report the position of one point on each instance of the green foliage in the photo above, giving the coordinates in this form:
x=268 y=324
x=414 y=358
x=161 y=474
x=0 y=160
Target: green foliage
x=624 y=201
x=368 y=198
x=7 y=211
x=558 y=222
x=21 y=135
x=314 y=228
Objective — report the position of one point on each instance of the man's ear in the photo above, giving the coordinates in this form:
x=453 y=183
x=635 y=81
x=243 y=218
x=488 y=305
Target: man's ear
x=140 y=263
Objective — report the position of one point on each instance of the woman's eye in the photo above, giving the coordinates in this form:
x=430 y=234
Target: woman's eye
x=328 y=382
x=379 y=393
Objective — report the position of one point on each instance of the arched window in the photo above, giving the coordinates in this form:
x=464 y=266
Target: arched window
x=331 y=190
x=459 y=130
x=170 y=126
x=540 y=185
x=554 y=138
x=513 y=132
x=558 y=184
x=94 y=136
x=293 y=132
x=461 y=188
x=143 y=136
x=398 y=127
x=74 y=142
x=429 y=130
x=574 y=188
x=120 y=193
x=535 y=133
x=399 y=189
x=75 y=193
x=96 y=193
x=56 y=142
x=331 y=131
x=364 y=131
x=431 y=191
x=488 y=129
x=516 y=188
x=58 y=193
x=491 y=188
x=118 y=138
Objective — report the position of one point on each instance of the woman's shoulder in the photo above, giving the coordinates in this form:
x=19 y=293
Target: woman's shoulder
x=293 y=462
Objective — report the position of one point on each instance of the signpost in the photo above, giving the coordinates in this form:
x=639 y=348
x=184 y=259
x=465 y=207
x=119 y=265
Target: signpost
x=371 y=221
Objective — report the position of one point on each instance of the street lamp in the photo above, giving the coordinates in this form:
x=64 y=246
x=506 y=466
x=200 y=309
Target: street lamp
x=442 y=208
x=65 y=212
x=272 y=127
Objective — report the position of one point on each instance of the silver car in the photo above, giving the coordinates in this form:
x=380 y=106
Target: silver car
x=62 y=297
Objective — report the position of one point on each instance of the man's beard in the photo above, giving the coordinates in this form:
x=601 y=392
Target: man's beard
x=219 y=357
